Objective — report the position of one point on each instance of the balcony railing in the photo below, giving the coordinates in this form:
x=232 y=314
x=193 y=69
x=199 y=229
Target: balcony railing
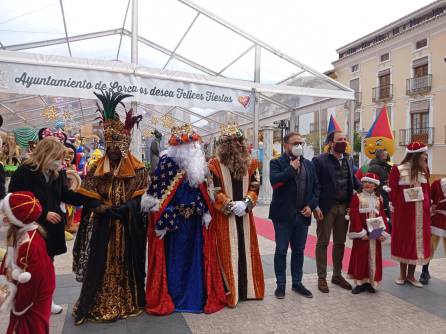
x=419 y=85
x=382 y=93
x=424 y=135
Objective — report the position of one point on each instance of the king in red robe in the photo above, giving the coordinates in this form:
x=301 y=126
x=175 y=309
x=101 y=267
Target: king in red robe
x=183 y=272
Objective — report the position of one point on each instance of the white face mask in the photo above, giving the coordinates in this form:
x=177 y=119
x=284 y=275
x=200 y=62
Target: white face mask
x=55 y=165
x=297 y=150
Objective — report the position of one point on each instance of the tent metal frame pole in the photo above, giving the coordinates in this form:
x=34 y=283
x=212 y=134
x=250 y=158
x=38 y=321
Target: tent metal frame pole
x=236 y=59
x=351 y=121
x=65 y=27
x=73 y=111
x=62 y=40
x=319 y=128
x=134 y=49
x=260 y=43
x=181 y=40
x=257 y=62
x=123 y=26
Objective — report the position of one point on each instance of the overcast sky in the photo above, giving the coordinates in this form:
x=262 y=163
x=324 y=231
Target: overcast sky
x=311 y=30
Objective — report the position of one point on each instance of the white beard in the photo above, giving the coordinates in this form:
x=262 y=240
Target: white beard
x=190 y=157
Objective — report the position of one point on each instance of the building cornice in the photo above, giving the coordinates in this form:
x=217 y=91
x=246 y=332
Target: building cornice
x=395 y=40
x=406 y=20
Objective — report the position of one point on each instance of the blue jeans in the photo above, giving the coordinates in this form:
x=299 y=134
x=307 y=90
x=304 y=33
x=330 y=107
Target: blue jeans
x=291 y=232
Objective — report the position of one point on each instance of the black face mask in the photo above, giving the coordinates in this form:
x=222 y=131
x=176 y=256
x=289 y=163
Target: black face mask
x=340 y=147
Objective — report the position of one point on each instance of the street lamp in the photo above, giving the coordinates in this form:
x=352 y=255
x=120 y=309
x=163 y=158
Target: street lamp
x=284 y=126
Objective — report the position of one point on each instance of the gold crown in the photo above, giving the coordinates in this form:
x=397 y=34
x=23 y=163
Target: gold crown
x=231 y=130
x=184 y=129
x=183 y=134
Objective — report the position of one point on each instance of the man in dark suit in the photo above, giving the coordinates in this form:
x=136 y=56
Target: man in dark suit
x=295 y=196
x=337 y=182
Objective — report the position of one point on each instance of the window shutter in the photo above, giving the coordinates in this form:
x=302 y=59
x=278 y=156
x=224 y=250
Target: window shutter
x=383 y=73
x=419 y=62
x=419 y=107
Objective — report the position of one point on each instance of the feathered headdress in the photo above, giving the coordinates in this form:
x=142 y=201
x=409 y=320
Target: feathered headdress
x=116 y=133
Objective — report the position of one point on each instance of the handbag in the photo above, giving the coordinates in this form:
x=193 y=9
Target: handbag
x=8 y=291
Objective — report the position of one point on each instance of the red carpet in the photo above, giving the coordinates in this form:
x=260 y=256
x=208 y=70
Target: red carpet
x=265 y=229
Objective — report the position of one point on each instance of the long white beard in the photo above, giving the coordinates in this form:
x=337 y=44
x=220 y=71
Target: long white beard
x=190 y=157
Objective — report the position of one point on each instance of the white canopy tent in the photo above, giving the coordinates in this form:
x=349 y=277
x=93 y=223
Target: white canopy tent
x=172 y=44
x=148 y=45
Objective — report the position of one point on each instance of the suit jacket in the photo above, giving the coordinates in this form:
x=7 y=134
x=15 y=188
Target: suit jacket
x=284 y=201
x=325 y=165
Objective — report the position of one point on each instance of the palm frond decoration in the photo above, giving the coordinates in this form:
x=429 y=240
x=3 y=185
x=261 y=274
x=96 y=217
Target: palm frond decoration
x=110 y=101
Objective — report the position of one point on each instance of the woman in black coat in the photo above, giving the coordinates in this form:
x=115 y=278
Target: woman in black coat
x=42 y=174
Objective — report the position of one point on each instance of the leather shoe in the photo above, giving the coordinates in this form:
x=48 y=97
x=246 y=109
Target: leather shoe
x=358 y=289
x=302 y=290
x=425 y=277
x=341 y=281
x=280 y=292
x=322 y=285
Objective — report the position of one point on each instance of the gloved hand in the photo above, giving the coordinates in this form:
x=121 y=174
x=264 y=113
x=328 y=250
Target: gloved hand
x=239 y=208
x=112 y=214
x=117 y=212
x=206 y=220
x=122 y=210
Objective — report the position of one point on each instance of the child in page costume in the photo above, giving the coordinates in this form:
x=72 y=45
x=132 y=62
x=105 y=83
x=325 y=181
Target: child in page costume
x=368 y=228
x=438 y=222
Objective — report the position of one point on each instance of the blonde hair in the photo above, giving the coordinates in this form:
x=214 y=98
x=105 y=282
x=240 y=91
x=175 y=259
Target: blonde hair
x=12 y=234
x=47 y=150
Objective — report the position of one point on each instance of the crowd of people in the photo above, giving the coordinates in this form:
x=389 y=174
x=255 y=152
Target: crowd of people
x=194 y=220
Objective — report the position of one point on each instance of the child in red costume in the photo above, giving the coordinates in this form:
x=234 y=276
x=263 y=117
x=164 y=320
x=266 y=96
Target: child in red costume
x=438 y=222
x=28 y=265
x=368 y=228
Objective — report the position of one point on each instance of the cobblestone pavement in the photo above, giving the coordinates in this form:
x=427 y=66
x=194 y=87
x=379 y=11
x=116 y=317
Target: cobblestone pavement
x=393 y=309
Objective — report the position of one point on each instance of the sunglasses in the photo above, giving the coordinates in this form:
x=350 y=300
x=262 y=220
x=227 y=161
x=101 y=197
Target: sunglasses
x=297 y=143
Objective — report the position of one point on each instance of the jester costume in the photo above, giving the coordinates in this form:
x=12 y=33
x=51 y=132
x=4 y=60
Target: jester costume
x=109 y=248
x=238 y=248
x=183 y=272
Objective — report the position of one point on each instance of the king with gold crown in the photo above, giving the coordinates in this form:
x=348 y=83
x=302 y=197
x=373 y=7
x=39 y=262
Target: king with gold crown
x=183 y=271
x=109 y=252
x=234 y=185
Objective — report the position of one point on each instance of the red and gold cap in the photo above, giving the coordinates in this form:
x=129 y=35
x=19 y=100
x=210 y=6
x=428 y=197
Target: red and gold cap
x=21 y=208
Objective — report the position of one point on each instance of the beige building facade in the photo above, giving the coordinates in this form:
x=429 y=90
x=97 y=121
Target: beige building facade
x=402 y=65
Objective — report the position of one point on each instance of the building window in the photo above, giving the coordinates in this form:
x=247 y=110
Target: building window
x=419 y=115
x=384 y=57
x=384 y=84
x=354 y=84
x=421 y=43
x=420 y=67
x=355 y=68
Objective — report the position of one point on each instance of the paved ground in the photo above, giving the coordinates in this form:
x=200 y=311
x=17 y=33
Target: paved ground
x=394 y=309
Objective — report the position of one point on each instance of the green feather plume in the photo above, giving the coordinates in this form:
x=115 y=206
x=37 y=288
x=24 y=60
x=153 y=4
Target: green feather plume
x=110 y=101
